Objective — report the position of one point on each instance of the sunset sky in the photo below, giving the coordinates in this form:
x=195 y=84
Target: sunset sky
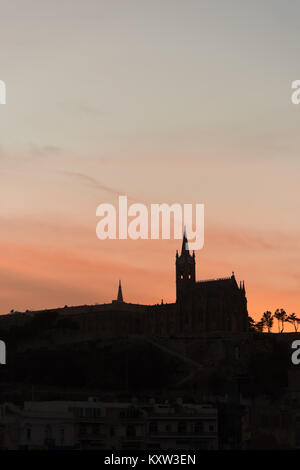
x=163 y=101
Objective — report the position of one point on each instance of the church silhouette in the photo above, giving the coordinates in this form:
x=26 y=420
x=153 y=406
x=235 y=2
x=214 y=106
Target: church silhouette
x=201 y=306
x=217 y=305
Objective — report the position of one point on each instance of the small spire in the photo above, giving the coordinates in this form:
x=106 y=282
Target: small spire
x=185 y=246
x=120 y=294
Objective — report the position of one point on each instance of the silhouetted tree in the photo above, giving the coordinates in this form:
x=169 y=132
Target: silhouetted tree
x=281 y=316
x=268 y=320
x=292 y=318
x=259 y=326
x=251 y=323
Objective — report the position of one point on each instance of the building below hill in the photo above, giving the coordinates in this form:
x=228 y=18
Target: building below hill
x=90 y=425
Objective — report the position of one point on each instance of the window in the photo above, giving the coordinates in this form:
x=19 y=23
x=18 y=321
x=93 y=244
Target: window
x=131 y=431
x=182 y=427
x=96 y=429
x=264 y=420
x=48 y=432
x=78 y=412
x=237 y=352
x=153 y=427
x=83 y=429
x=198 y=428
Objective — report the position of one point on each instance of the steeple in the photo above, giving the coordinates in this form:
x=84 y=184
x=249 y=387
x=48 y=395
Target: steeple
x=185 y=269
x=185 y=245
x=120 y=294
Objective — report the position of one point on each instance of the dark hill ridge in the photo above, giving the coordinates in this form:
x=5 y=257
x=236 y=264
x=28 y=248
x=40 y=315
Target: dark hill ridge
x=51 y=349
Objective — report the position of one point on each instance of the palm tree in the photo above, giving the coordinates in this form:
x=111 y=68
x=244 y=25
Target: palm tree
x=292 y=318
x=284 y=318
x=251 y=323
x=259 y=326
x=268 y=320
x=277 y=316
x=281 y=317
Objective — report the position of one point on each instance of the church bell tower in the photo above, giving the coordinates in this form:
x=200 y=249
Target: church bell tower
x=185 y=269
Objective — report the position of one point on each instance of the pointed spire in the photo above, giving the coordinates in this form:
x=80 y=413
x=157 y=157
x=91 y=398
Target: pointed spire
x=185 y=245
x=120 y=294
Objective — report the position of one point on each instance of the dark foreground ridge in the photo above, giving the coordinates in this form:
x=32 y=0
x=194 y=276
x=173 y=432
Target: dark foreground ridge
x=191 y=374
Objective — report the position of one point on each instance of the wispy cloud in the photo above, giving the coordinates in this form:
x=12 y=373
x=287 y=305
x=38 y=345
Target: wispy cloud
x=94 y=183
x=91 y=181
x=82 y=108
x=254 y=239
x=41 y=151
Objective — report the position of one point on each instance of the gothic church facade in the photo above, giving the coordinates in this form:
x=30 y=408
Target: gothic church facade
x=209 y=305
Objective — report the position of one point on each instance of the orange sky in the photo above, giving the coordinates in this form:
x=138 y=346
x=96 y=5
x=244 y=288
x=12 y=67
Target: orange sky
x=164 y=102
x=53 y=265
